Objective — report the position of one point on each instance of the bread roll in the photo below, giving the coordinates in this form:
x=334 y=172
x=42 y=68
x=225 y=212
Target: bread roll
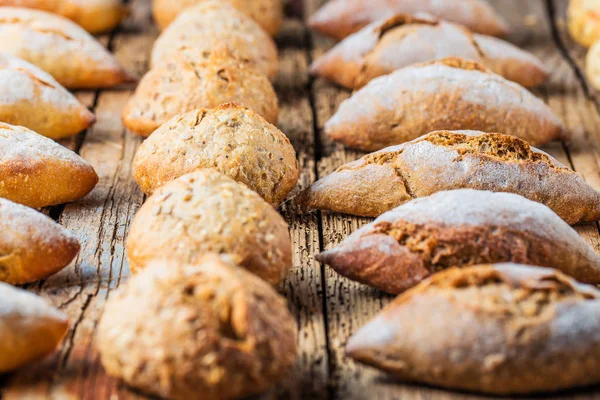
x=592 y=65
x=447 y=94
x=32 y=98
x=32 y=246
x=182 y=85
x=460 y=228
x=446 y=160
x=29 y=327
x=267 y=13
x=38 y=172
x=403 y=40
x=232 y=139
x=60 y=47
x=583 y=20
x=205 y=211
x=340 y=18
x=506 y=329
x=213 y=24
x=95 y=16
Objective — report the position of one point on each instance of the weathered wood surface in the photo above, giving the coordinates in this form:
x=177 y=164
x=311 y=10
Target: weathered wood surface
x=328 y=308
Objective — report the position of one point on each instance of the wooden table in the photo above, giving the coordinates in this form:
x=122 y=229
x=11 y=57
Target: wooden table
x=328 y=308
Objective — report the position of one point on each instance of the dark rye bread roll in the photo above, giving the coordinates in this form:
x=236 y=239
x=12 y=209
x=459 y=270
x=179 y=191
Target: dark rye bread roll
x=403 y=40
x=340 y=18
x=460 y=228
x=446 y=94
x=507 y=329
x=446 y=160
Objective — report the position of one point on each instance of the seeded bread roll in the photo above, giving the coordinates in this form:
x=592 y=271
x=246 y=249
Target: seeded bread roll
x=340 y=18
x=267 y=13
x=213 y=24
x=446 y=160
x=583 y=21
x=460 y=228
x=95 y=16
x=212 y=328
x=205 y=211
x=60 y=47
x=507 y=329
x=38 y=172
x=447 y=94
x=32 y=246
x=29 y=327
x=403 y=40
x=182 y=85
x=231 y=139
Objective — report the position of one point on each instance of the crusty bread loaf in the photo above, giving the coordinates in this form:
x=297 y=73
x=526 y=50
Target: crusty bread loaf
x=205 y=211
x=29 y=327
x=212 y=24
x=583 y=21
x=460 y=228
x=447 y=94
x=95 y=16
x=38 y=172
x=403 y=40
x=231 y=139
x=267 y=13
x=340 y=18
x=34 y=99
x=60 y=47
x=211 y=328
x=498 y=329
x=182 y=85
x=32 y=246
x=446 y=160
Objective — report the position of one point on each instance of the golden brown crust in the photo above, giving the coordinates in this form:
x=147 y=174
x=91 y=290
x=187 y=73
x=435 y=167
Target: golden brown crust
x=267 y=13
x=446 y=160
x=213 y=24
x=507 y=329
x=446 y=94
x=213 y=328
x=460 y=228
x=182 y=85
x=32 y=246
x=29 y=327
x=205 y=211
x=583 y=20
x=340 y=18
x=232 y=139
x=38 y=172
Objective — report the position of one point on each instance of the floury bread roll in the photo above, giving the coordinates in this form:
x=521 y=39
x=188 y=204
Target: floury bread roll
x=403 y=40
x=60 y=47
x=32 y=98
x=506 y=329
x=340 y=18
x=583 y=20
x=460 y=228
x=447 y=94
x=267 y=13
x=30 y=328
x=446 y=160
x=95 y=16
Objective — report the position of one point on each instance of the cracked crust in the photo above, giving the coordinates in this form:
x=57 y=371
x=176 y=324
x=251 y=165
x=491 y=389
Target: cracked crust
x=508 y=329
x=340 y=18
x=181 y=85
x=446 y=160
x=403 y=40
x=30 y=328
x=206 y=211
x=460 y=228
x=38 y=172
x=267 y=13
x=583 y=21
x=446 y=94
x=212 y=24
x=232 y=139
x=60 y=47
x=32 y=246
